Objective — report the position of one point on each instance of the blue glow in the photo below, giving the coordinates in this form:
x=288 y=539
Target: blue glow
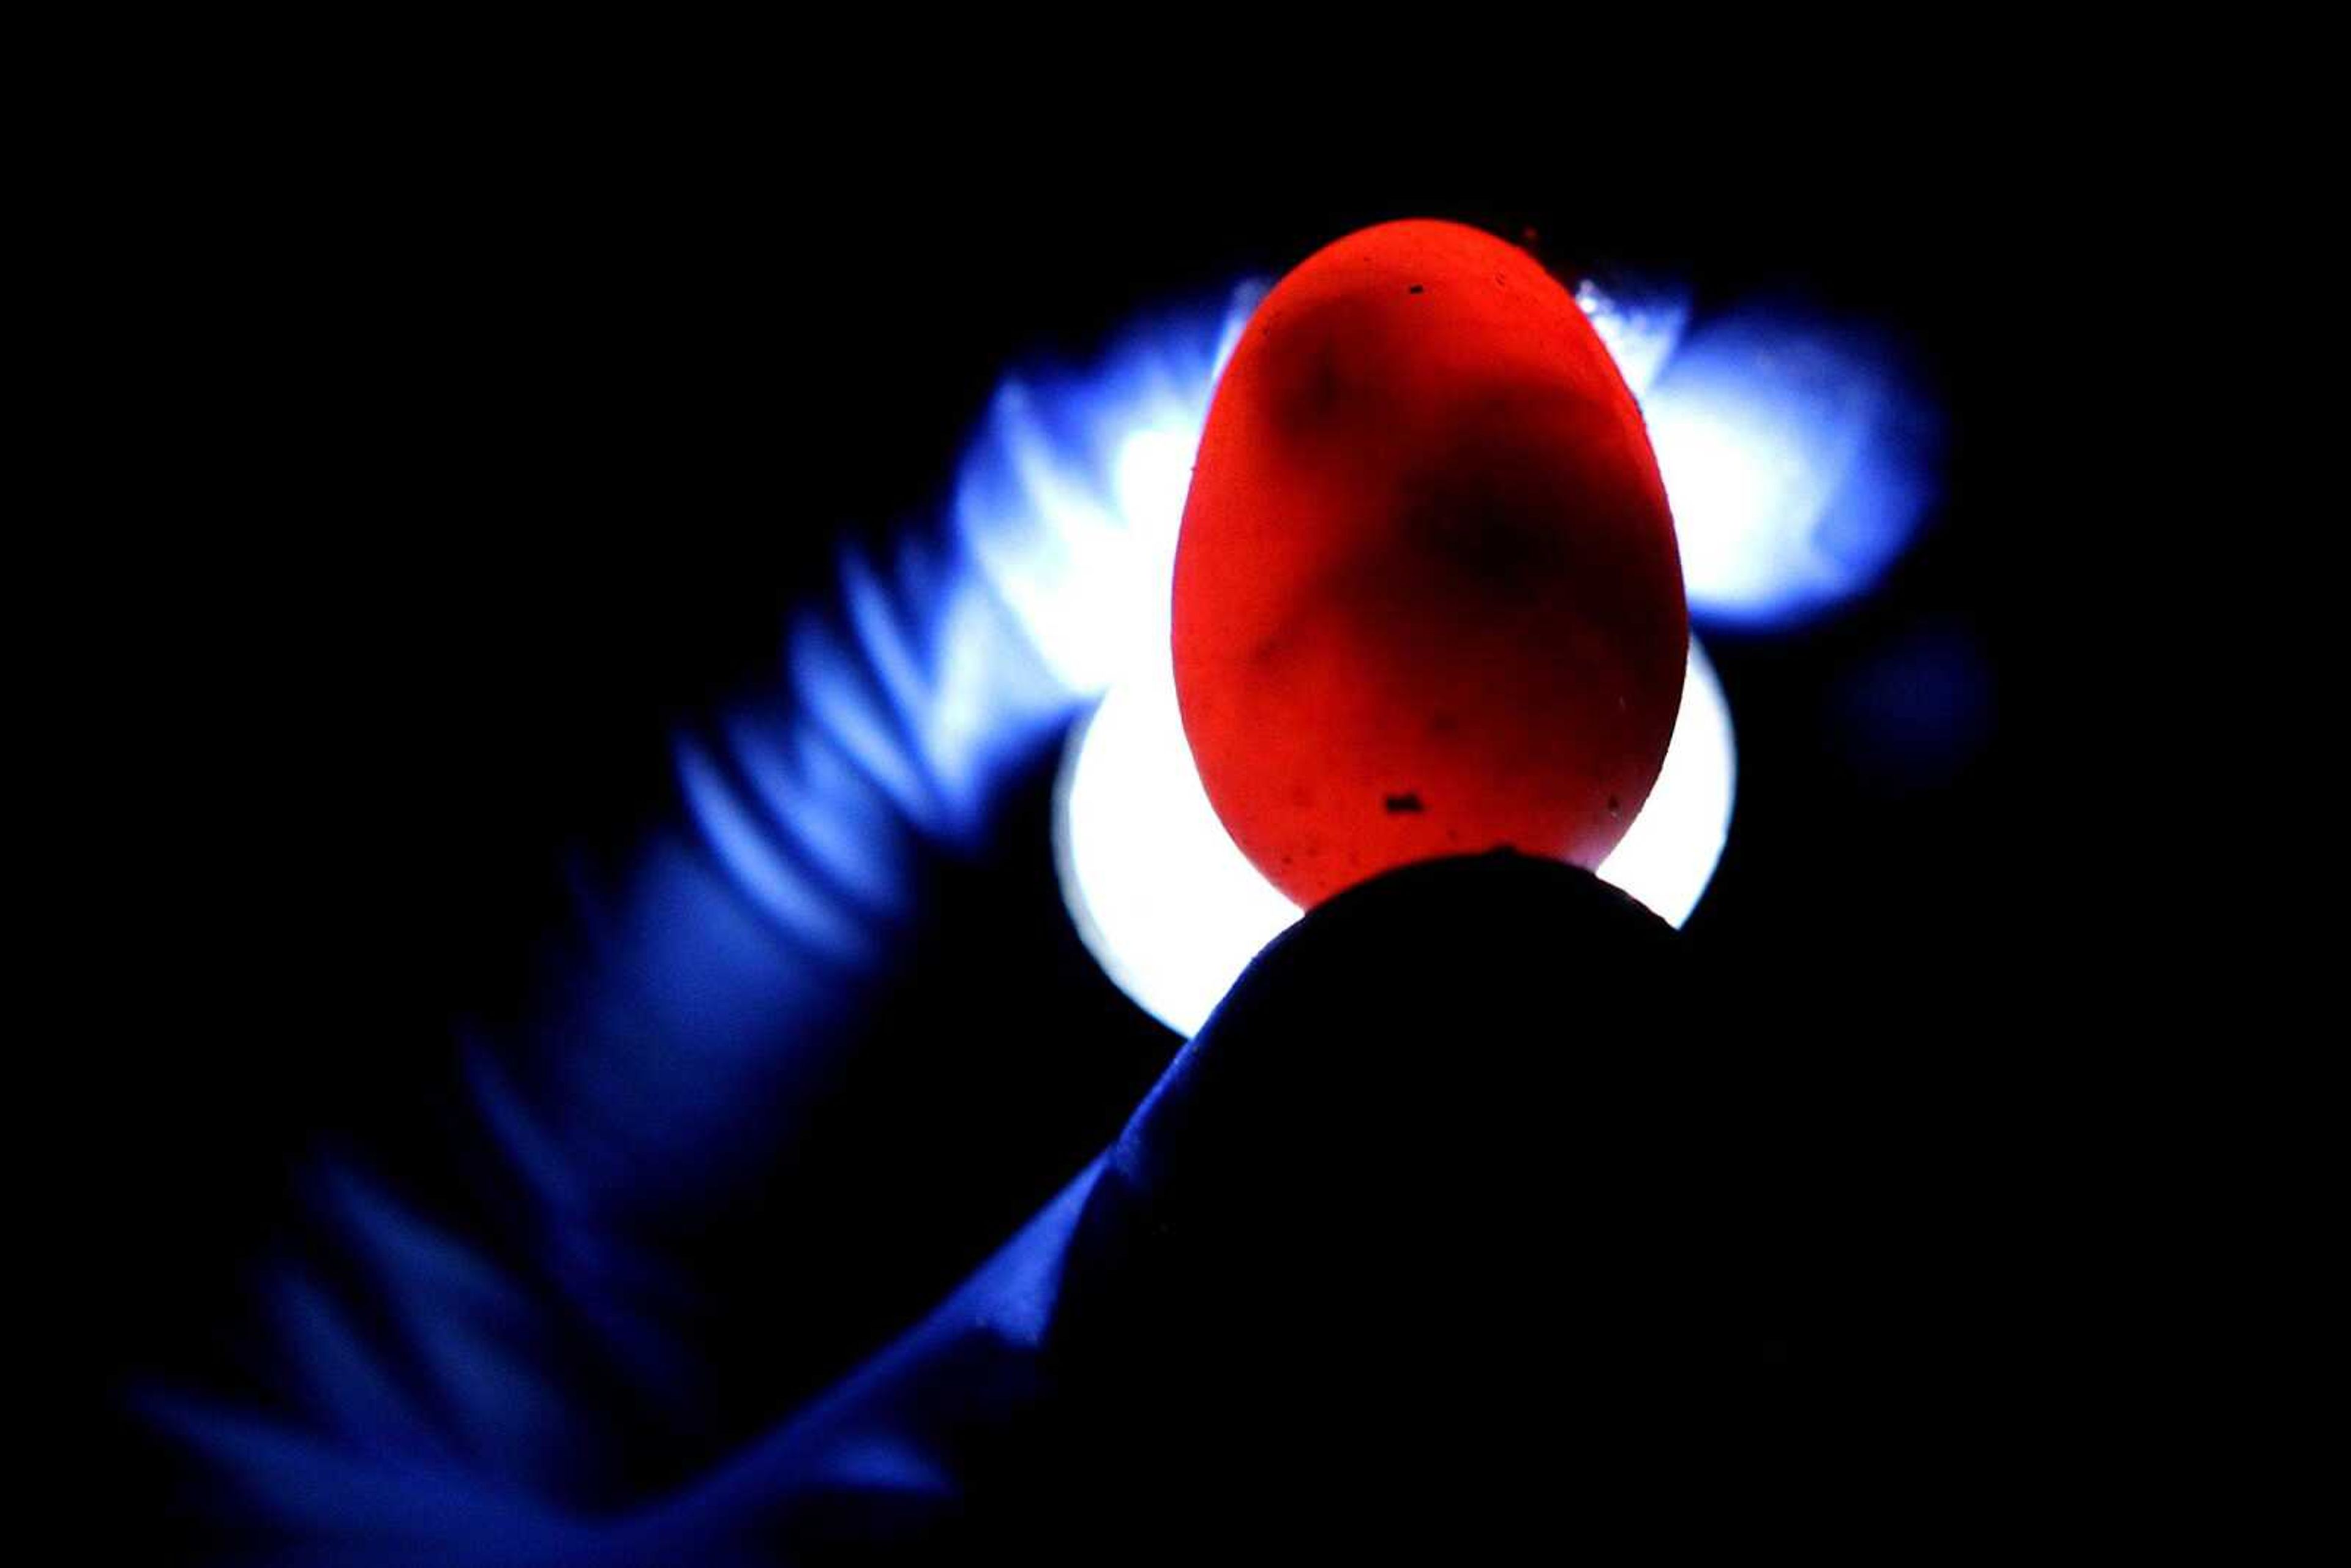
x=837 y=822
x=1799 y=460
x=708 y=989
x=466 y=1328
x=1916 y=712
x=762 y=867
x=868 y=1433
x=348 y=1507
x=1071 y=498
x=349 y=1393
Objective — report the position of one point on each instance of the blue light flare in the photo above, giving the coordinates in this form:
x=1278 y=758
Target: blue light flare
x=1910 y=716
x=1800 y=460
x=709 y=988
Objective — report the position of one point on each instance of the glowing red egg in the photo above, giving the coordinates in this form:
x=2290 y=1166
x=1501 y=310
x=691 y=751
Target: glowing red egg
x=1428 y=599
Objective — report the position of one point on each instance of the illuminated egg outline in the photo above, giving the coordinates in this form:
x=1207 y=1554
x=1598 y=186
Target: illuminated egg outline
x=1174 y=912
x=1428 y=599
x=1076 y=537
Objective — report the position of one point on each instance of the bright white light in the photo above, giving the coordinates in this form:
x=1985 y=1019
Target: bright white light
x=1174 y=912
x=1668 y=855
x=1170 y=907
x=1798 y=458
x=1071 y=494
x=1743 y=498
x=1640 y=327
x=1151 y=477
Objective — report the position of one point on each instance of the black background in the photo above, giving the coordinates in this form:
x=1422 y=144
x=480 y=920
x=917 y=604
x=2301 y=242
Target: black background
x=440 y=458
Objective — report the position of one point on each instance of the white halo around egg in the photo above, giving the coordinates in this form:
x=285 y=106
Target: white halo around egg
x=1174 y=912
